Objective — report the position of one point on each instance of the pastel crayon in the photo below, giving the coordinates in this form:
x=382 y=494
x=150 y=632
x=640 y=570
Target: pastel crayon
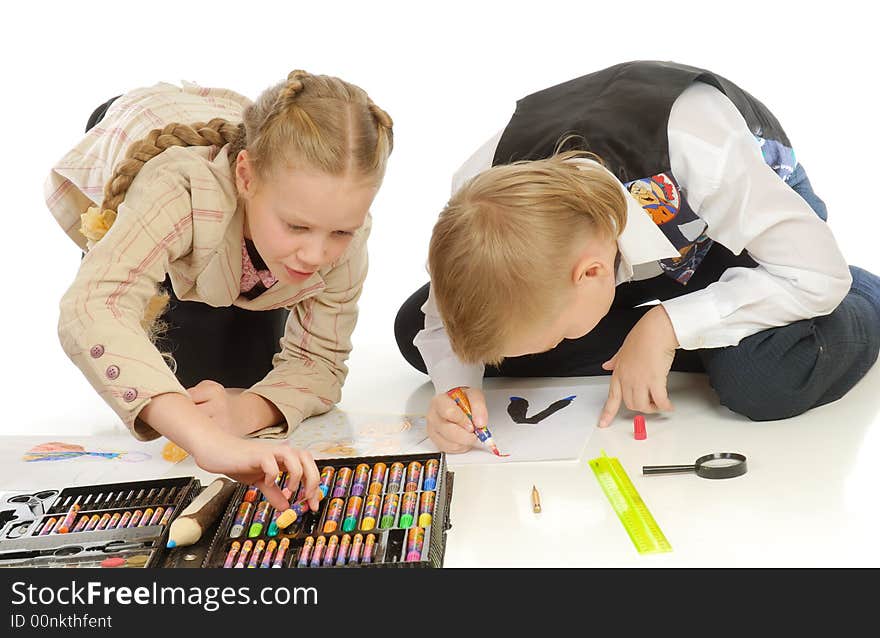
x=157 y=516
x=48 y=526
x=369 y=547
x=231 y=554
x=395 y=476
x=334 y=515
x=261 y=517
x=415 y=541
x=102 y=524
x=257 y=554
x=343 y=481
x=93 y=522
x=357 y=545
x=389 y=510
x=352 y=513
x=327 y=474
x=344 y=546
x=200 y=513
x=81 y=525
x=361 y=476
x=242 y=517
x=371 y=511
x=167 y=518
x=147 y=516
x=306 y=552
x=318 y=552
x=377 y=478
x=432 y=469
x=246 y=548
x=252 y=495
x=408 y=509
x=114 y=520
x=330 y=553
x=69 y=519
x=282 y=550
x=426 y=508
x=413 y=471
x=269 y=555
x=123 y=522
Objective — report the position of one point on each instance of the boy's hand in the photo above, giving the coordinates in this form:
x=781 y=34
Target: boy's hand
x=255 y=462
x=641 y=367
x=448 y=425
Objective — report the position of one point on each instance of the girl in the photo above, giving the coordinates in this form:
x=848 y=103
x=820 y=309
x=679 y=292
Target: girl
x=225 y=208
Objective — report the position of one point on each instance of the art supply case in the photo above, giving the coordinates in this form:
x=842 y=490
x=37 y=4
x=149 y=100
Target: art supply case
x=24 y=515
x=391 y=546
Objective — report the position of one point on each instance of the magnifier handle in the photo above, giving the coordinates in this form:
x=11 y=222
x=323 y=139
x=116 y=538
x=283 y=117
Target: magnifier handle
x=668 y=469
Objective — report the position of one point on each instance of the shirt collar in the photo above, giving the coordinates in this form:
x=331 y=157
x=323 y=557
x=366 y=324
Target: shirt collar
x=641 y=241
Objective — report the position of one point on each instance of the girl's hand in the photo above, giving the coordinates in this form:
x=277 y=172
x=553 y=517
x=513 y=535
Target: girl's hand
x=448 y=425
x=257 y=462
x=641 y=367
x=221 y=406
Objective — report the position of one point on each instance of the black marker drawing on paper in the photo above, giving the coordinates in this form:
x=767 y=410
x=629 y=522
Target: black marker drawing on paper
x=519 y=406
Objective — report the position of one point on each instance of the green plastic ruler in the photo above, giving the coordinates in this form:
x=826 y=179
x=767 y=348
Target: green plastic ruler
x=646 y=535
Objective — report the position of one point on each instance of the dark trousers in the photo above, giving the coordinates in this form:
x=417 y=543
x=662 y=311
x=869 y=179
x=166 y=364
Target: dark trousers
x=230 y=345
x=774 y=374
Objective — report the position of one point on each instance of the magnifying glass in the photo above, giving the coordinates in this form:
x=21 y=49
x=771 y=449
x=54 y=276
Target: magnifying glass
x=720 y=465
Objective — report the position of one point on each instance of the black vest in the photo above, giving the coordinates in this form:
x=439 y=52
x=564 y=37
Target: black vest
x=622 y=114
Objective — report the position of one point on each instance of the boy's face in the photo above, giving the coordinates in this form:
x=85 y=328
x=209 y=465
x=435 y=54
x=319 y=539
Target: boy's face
x=300 y=220
x=587 y=301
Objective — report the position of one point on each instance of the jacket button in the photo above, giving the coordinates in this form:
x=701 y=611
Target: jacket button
x=130 y=395
x=97 y=351
x=112 y=372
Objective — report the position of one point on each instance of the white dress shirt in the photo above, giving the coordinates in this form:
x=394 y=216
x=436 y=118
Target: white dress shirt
x=718 y=163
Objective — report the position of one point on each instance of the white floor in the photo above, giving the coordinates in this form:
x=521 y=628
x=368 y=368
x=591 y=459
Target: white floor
x=808 y=498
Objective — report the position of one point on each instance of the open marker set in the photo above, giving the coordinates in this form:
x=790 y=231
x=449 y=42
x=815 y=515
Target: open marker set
x=374 y=511
x=117 y=524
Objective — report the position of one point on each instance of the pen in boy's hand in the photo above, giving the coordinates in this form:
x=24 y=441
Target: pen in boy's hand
x=458 y=395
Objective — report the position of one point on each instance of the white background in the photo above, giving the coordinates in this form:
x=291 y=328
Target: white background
x=448 y=73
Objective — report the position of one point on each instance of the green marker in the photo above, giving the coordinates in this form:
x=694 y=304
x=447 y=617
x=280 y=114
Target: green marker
x=408 y=509
x=352 y=513
x=260 y=519
x=389 y=511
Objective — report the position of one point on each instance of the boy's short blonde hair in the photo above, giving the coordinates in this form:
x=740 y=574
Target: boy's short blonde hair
x=501 y=253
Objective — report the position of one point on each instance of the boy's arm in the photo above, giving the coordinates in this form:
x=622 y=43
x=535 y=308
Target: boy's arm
x=800 y=274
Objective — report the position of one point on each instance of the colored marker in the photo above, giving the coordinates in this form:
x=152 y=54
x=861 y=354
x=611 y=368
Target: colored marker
x=460 y=398
x=330 y=554
x=148 y=515
x=241 y=519
x=408 y=509
x=282 y=550
x=369 y=546
x=639 y=431
x=114 y=520
x=102 y=524
x=243 y=556
x=415 y=541
x=389 y=511
x=157 y=516
x=413 y=471
x=298 y=509
x=69 y=519
x=167 y=518
x=260 y=519
x=270 y=551
x=377 y=482
x=432 y=468
x=357 y=544
x=318 y=552
x=83 y=521
x=344 y=546
x=252 y=494
x=395 y=477
x=371 y=511
x=327 y=473
x=93 y=522
x=343 y=480
x=361 y=476
x=352 y=513
x=306 y=552
x=230 y=556
x=334 y=515
x=48 y=526
x=123 y=522
x=258 y=552
x=426 y=509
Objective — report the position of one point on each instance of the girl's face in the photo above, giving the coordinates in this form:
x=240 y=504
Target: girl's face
x=301 y=220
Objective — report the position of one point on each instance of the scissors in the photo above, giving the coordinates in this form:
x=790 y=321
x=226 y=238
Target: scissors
x=719 y=465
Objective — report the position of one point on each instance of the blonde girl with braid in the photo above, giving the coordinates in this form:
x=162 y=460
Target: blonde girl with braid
x=225 y=251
